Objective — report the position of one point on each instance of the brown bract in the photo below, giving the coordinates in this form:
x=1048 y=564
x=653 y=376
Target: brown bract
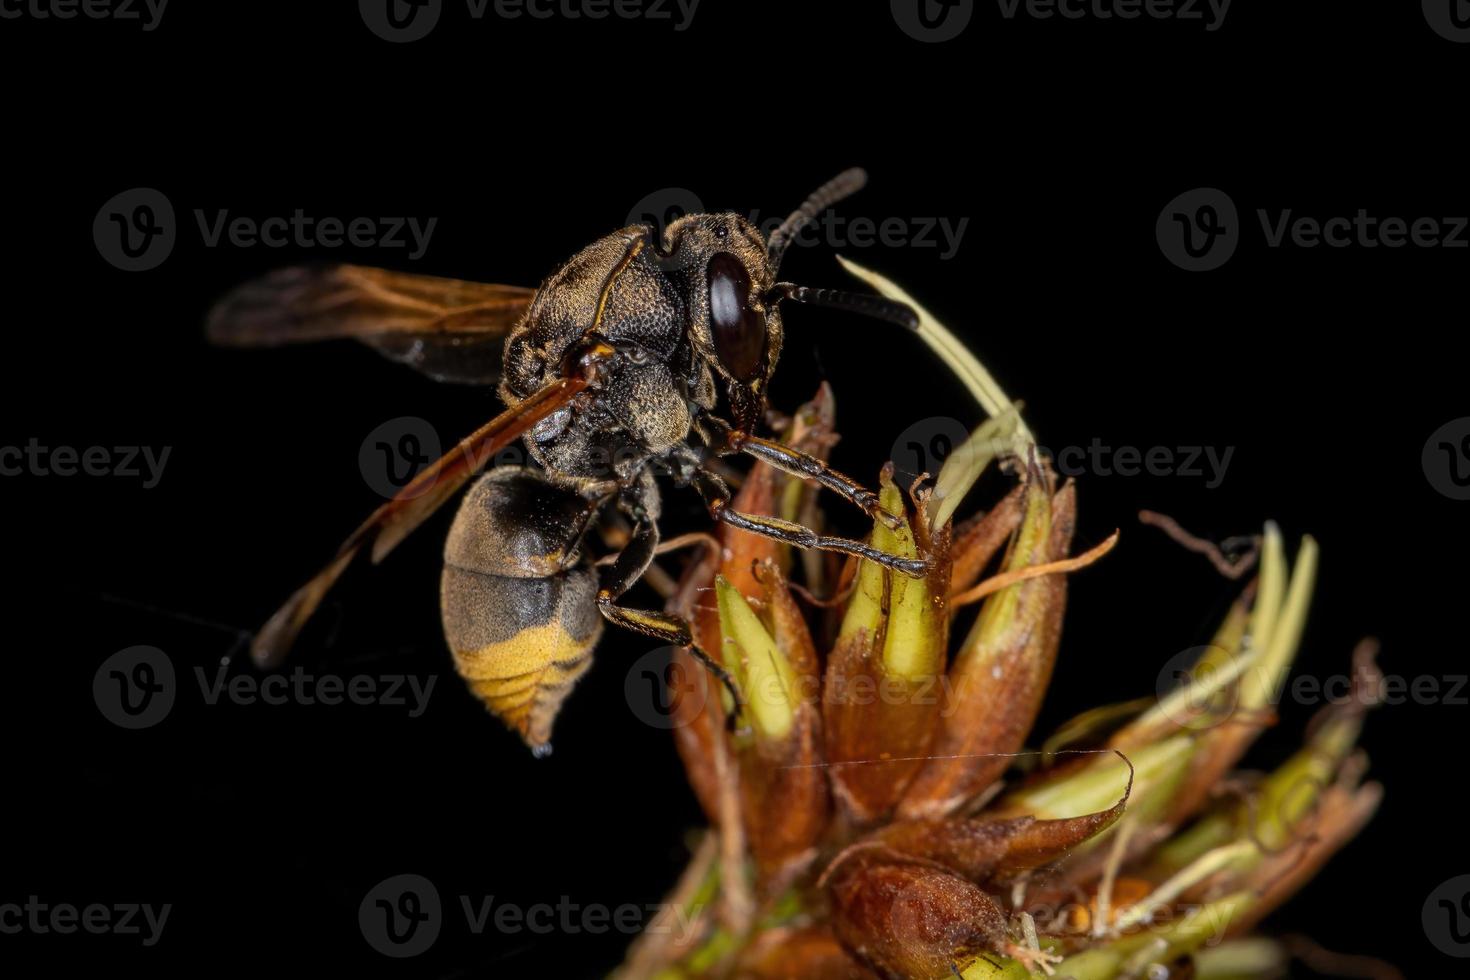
x=1005 y=663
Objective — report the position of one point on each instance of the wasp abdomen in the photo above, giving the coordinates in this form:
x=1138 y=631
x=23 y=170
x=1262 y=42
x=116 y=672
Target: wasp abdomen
x=519 y=604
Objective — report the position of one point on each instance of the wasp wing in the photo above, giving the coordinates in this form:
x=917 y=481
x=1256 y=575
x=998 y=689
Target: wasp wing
x=410 y=507
x=449 y=329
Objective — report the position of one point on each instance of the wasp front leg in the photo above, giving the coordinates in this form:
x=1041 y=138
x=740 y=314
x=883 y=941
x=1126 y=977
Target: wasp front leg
x=717 y=498
x=627 y=568
x=801 y=465
x=807 y=467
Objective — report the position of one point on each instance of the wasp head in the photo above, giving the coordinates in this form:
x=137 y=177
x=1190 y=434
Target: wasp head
x=721 y=260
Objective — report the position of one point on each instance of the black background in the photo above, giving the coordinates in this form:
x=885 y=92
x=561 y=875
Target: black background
x=1060 y=141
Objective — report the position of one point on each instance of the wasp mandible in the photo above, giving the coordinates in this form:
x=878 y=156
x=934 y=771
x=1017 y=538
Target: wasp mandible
x=620 y=355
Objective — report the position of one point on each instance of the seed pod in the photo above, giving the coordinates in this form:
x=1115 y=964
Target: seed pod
x=783 y=785
x=799 y=954
x=698 y=713
x=913 y=921
x=1001 y=673
x=881 y=693
x=991 y=849
x=1087 y=785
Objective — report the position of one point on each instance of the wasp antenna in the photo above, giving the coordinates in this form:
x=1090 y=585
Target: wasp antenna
x=845 y=184
x=868 y=304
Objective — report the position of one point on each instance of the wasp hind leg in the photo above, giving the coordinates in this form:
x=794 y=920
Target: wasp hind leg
x=619 y=577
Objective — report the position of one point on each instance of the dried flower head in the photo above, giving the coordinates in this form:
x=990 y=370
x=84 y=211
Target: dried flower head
x=863 y=822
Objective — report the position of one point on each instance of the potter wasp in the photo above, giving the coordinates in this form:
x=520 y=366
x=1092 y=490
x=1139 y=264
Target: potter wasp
x=611 y=369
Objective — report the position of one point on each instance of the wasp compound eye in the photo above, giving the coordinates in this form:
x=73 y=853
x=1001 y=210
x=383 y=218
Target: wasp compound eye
x=739 y=331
